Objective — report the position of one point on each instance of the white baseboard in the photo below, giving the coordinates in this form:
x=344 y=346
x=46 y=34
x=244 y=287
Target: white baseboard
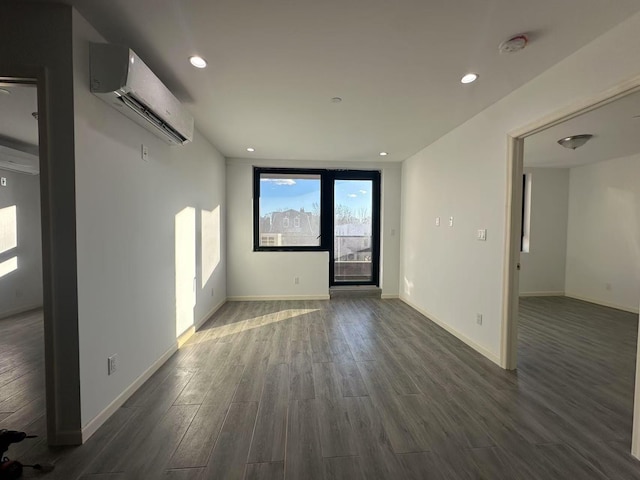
x=204 y=319
x=542 y=294
x=188 y=333
x=267 y=298
x=478 y=348
x=93 y=425
x=67 y=438
x=18 y=311
x=600 y=302
x=387 y=296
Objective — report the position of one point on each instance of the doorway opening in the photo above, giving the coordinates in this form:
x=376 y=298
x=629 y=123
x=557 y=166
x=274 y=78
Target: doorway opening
x=522 y=146
x=60 y=397
x=22 y=372
x=354 y=257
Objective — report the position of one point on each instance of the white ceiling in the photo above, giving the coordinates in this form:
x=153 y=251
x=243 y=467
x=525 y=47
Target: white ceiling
x=274 y=65
x=616 y=134
x=16 y=108
x=18 y=128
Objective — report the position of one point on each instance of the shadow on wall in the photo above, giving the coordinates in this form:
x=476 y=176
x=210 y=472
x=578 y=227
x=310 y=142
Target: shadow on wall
x=8 y=240
x=187 y=225
x=624 y=202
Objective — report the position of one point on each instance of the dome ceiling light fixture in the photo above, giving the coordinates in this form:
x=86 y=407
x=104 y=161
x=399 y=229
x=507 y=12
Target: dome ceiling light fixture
x=575 y=141
x=514 y=44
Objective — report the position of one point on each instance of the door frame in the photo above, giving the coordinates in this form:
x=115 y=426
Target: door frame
x=375 y=177
x=59 y=270
x=513 y=226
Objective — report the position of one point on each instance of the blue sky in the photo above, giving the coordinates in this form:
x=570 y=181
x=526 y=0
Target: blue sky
x=284 y=193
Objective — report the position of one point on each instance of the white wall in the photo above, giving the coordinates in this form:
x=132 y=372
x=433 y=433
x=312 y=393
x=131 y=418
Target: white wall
x=21 y=289
x=270 y=274
x=137 y=223
x=543 y=267
x=603 y=248
x=446 y=272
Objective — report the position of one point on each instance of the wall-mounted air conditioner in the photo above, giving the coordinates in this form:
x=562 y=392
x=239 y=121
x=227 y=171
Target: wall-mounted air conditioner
x=18 y=161
x=121 y=79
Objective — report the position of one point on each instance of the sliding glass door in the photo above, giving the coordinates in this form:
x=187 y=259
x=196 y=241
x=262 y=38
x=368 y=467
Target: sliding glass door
x=356 y=227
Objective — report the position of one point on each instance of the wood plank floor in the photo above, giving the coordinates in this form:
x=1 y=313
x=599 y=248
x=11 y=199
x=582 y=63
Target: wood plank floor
x=354 y=389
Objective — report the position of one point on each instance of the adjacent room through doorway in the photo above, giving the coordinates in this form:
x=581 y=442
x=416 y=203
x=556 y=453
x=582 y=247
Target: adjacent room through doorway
x=22 y=372
x=580 y=270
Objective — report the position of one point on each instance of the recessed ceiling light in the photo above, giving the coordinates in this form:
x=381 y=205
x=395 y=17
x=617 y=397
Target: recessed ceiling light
x=336 y=99
x=383 y=154
x=469 y=78
x=5 y=91
x=251 y=149
x=198 y=62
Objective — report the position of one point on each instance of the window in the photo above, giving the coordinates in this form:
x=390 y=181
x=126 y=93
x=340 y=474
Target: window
x=284 y=198
x=334 y=211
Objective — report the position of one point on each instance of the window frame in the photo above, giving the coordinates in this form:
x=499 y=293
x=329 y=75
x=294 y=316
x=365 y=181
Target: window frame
x=525 y=227
x=324 y=239
x=326 y=229
x=376 y=177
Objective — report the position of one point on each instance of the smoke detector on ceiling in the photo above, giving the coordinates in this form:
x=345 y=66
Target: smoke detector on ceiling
x=514 y=44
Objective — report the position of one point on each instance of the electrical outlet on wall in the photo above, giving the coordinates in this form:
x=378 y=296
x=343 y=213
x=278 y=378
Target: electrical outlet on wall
x=296 y=280
x=112 y=364
x=3 y=181
x=479 y=319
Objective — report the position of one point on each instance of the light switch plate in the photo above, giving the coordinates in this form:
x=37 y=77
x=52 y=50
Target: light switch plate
x=451 y=221
x=437 y=221
x=482 y=234
x=3 y=181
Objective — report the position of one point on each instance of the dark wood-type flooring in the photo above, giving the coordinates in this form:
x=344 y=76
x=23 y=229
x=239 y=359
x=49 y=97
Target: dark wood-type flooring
x=353 y=389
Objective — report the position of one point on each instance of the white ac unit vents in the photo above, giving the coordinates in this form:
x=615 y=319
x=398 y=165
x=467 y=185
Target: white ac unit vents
x=18 y=161
x=121 y=79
